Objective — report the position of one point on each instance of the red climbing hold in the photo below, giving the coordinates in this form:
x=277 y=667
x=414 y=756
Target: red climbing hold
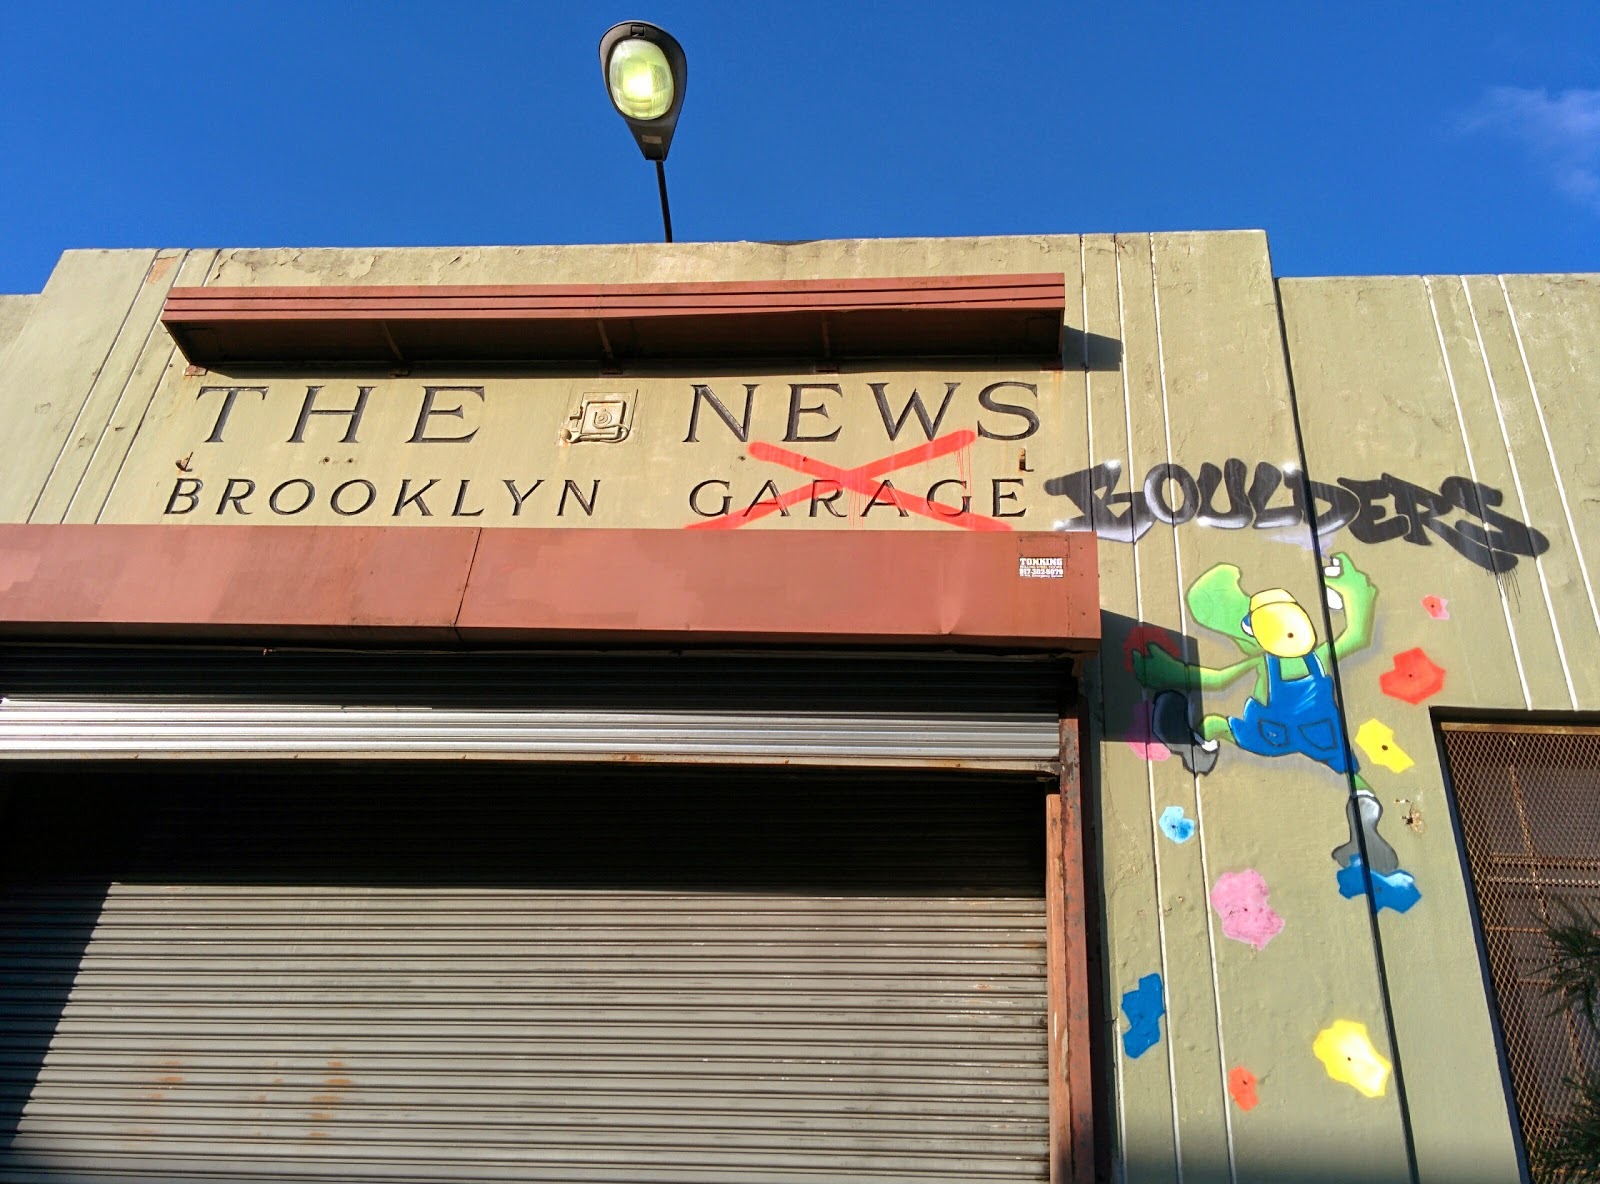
x=1413 y=678
x=1242 y=1085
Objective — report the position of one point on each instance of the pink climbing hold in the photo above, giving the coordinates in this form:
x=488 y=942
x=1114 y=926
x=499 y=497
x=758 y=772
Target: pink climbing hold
x=1141 y=739
x=1240 y=899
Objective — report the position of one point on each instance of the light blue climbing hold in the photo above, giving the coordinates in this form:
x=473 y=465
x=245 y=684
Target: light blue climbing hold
x=1144 y=1006
x=1175 y=826
x=1397 y=890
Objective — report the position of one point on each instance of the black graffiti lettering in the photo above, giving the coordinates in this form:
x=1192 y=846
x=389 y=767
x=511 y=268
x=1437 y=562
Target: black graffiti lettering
x=518 y=498
x=893 y=424
x=1231 y=478
x=1155 y=494
x=1375 y=511
x=1093 y=491
x=1505 y=538
x=1418 y=507
x=1342 y=506
x=1373 y=523
x=1268 y=479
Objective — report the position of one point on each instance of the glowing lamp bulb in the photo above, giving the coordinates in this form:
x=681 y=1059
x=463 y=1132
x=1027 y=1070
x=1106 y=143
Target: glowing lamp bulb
x=640 y=79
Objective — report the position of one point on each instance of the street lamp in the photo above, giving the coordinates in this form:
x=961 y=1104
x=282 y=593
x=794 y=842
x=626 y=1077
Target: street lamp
x=646 y=75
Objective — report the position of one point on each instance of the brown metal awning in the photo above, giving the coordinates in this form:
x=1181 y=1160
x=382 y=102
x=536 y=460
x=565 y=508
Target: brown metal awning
x=1009 y=316
x=523 y=586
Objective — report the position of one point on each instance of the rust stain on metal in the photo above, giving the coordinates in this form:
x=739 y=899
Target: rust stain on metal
x=325 y=1099
x=335 y=1064
x=337 y=1082
x=171 y=1079
x=321 y=1116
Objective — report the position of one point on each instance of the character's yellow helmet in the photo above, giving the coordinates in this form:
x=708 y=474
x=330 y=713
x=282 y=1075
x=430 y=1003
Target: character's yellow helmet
x=1279 y=625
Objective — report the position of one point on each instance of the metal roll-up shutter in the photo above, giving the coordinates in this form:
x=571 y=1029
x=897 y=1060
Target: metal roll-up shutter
x=843 y=709
x=417 y=972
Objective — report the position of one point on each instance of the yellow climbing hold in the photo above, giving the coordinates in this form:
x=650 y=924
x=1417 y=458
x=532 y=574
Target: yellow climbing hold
x=1377 y=741
x=1346 y=1052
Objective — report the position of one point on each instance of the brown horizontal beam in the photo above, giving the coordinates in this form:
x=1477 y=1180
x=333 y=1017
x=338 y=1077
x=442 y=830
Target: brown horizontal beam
x=995 y=315
x=525 y=586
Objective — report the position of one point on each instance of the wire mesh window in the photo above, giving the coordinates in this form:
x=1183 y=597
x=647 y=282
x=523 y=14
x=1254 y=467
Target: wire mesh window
x=1529 y=803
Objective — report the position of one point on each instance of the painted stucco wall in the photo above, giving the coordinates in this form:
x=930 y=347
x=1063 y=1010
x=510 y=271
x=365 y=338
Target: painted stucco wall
x=1483 y=390
x=1169 y=431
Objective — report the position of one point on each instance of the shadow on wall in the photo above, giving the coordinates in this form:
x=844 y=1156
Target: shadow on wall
x=1091 y=351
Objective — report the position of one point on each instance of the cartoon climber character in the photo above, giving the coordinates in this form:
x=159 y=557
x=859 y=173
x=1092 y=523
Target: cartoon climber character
x=1292 y=708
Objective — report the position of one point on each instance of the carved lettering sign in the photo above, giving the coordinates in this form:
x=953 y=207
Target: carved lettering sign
x=908 y=450
x=972 y=450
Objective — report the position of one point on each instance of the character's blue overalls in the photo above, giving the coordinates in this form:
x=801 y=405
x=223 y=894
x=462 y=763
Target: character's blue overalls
x=1300 y=715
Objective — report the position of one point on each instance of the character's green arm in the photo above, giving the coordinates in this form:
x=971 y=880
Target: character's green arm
x=1160 y=671
x=1350 y=589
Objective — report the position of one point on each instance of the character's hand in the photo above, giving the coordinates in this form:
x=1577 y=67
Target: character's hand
x=1348 y=587
x=1158 y=670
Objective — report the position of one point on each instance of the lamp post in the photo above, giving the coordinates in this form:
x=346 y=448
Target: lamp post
x=646 y=75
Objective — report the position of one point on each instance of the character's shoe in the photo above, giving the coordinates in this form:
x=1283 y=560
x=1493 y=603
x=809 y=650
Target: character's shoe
x=1169 y=723
x=1363 y=812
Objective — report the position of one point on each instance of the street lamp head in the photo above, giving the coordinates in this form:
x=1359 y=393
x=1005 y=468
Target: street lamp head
x=646 y=75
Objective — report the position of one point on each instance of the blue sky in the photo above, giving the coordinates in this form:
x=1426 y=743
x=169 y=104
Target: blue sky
x=1364 y=138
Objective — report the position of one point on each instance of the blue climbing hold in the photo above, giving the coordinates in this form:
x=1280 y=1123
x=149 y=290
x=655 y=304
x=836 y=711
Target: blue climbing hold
x=1397 y=890
x=1144 y=1006
x=1175 y=826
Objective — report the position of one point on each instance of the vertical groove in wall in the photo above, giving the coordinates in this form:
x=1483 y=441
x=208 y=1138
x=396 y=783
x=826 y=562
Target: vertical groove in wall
x=1555 y=467
x=88 y=394
x=1149 y=768
x=109 y=426
x=1199 y=805
x=1522 y=497
x=155 y=388
x=1472 y=472
x=1119 y=1109
x=1374 y=928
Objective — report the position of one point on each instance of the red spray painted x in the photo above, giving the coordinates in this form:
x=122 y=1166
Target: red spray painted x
x=864 y=479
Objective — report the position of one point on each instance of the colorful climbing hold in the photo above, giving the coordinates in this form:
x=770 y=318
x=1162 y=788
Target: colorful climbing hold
x=1242 y=1087
x=1377 y=741
x=1413 y=678
x=1240 y=899
x=1143 y=1006
x=1396 y=890
x=1436 y=607
x=1175 y=825
x=1141 y=738
x=1347 y=1053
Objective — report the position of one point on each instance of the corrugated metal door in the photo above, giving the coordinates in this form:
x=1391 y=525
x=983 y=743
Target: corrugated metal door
x=417 y=972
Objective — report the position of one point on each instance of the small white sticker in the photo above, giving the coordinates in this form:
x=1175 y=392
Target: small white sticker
x=1052 y=568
